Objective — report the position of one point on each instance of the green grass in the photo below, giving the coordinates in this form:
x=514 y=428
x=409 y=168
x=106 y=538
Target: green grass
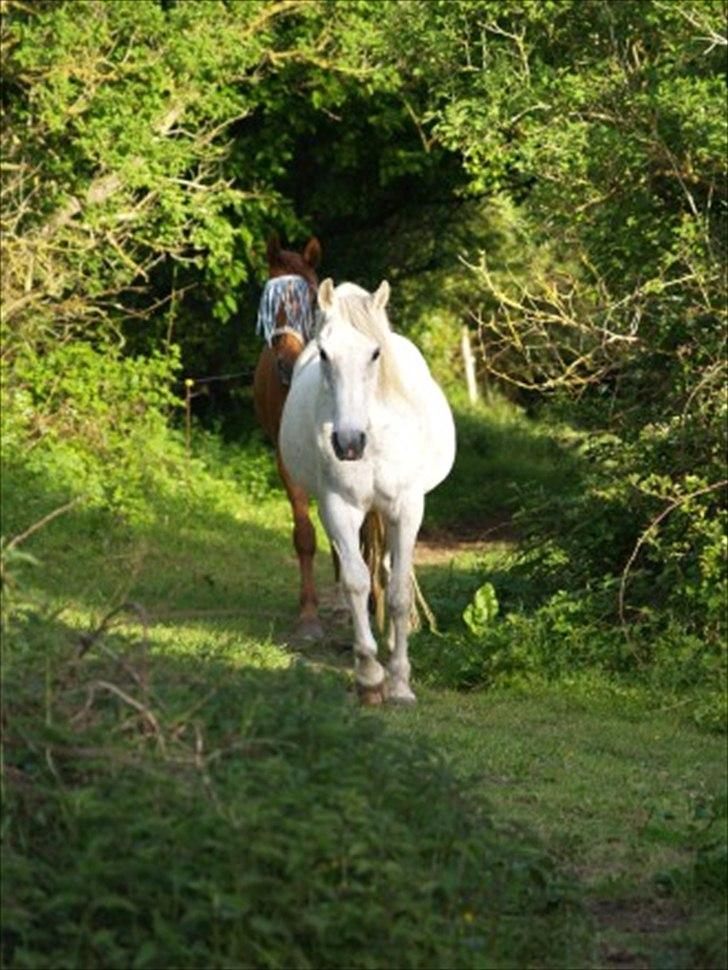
x=499 y=453
x=629 y=803
x=185 y=786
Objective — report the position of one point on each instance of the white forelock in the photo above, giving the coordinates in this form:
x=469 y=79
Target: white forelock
x=355 y=306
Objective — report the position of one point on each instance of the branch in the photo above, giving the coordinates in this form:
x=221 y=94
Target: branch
x=104 y=186
x=22 y=536
x=713 y=38
x=646 y=534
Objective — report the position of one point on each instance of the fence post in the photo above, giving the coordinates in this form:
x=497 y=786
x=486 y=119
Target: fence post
x=469 y=365
x=189 y=384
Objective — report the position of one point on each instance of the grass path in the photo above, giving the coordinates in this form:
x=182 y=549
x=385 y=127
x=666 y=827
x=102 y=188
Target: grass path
x=624 y=803
x=611 y=794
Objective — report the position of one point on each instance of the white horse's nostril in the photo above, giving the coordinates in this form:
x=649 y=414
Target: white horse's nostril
x=348 y=446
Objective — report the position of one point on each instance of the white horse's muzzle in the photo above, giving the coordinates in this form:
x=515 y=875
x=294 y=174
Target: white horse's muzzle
x=348 y=445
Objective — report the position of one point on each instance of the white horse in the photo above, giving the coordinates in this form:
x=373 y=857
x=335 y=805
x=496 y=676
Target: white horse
x=365 y=426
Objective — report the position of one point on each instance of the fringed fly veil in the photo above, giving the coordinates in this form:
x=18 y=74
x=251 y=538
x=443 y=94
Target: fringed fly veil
x=294 y=295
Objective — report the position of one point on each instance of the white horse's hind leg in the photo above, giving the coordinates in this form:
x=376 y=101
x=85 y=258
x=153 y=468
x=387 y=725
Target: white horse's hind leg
x=343 y=522
x=403 y=535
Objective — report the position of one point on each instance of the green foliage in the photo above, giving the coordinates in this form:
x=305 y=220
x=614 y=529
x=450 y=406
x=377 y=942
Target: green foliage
x=500 y=453
x=142 y=122
x=483 y=609
x=565 y=637
x=250 y=470
x=280 y=849
x=91 y=421
x=593 y=589
x=608 y=161
x=552 y=175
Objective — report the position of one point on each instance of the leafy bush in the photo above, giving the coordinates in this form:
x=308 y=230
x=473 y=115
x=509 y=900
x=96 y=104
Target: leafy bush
x=479 y=614
x=570 y=638
x=248 y=465
x=87 y=420
x=601 y=300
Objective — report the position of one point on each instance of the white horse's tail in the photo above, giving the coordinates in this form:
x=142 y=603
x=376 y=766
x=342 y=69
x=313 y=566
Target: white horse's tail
x=373 y=544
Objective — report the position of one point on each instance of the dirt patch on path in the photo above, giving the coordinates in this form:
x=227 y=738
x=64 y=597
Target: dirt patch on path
x=438 y=543
x=635 y=921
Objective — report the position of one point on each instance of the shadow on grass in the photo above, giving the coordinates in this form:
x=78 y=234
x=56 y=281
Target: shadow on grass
x=499 y=453
x=576 y=528
x=194 y=560
x=190 y=811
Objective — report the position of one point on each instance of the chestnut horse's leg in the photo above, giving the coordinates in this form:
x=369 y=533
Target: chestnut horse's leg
x=304 y=539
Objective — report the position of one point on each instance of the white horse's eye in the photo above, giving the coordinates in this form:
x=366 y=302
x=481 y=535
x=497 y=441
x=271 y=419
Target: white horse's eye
x=376 y=353
x=322 y=353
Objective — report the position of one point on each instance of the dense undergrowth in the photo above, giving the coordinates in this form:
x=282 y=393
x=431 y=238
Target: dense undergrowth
x=247 y=833
x=572 y=601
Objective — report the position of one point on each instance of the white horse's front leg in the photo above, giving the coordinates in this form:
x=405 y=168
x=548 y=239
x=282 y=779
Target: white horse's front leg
x=402 y=537
x=343 y=522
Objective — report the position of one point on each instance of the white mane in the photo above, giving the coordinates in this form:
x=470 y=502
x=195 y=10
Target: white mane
x=356 y=307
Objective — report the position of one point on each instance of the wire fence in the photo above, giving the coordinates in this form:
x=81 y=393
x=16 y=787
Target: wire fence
x=190 y=383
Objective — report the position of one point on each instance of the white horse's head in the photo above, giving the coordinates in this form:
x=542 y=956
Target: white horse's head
x=353 y=343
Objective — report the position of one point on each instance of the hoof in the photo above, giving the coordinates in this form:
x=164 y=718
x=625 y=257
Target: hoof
x=400 y=694
x=371 y=696
x=309 y=629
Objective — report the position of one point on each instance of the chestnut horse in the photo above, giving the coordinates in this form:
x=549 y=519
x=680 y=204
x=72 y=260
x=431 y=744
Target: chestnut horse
x=270 y=389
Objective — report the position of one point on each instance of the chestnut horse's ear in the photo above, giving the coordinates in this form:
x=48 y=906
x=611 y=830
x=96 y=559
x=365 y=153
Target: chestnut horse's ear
x=326 y=294
x=381 y=297
x=273 y=249
x=312 y=252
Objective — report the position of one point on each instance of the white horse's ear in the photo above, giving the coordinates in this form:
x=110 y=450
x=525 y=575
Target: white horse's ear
x=326 y=294
x=381 y=297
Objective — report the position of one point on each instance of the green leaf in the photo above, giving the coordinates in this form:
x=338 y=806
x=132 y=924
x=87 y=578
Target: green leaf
x=482 y=610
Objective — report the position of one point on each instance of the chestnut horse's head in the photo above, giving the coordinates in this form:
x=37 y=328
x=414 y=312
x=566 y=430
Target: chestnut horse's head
x=293 y=313
x=284 y=262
